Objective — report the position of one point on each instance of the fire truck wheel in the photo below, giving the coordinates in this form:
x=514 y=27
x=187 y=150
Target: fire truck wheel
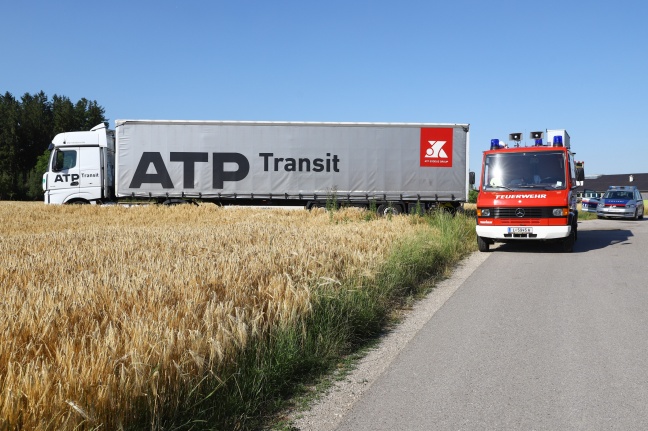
x=482 y=244
x=568 y=243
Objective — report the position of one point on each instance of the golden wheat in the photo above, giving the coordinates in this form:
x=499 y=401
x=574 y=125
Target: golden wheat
x=108 y=308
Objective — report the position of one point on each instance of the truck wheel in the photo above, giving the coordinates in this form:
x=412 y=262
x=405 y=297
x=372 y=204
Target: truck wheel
x=568 y=242
x=174 y=201
x=386 y=209
x=449 y=209
x=316 y=204
x=483 y=244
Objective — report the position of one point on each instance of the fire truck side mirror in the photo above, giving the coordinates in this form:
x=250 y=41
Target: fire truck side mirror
x=471 y=178
x=580 y=171
x=580 y=174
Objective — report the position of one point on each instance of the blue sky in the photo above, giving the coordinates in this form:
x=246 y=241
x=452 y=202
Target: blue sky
x=502 y=66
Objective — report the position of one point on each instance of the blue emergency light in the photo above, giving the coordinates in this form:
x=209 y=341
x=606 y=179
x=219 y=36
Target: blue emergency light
x=496 y=144
x=557 y=141
x=538 y=142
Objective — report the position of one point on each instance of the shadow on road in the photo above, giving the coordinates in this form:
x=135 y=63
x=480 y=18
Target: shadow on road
x=601 y=238
x=587 y=240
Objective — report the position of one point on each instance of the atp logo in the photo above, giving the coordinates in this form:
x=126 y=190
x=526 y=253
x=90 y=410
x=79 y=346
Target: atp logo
x=436 y=152
x=436 y=147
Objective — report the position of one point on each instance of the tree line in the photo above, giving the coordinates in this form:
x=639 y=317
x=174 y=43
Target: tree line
x=27 y=126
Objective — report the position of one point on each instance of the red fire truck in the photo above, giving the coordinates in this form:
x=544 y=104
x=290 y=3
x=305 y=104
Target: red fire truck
x=527 y=192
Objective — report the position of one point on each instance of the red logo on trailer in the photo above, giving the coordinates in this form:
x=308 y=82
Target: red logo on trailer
x=436 y=148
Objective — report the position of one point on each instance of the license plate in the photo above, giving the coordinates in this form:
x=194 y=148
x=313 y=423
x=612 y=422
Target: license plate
x=520 y=230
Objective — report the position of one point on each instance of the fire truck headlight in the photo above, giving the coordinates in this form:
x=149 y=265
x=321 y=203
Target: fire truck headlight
x=560 y=212
x=483 y=212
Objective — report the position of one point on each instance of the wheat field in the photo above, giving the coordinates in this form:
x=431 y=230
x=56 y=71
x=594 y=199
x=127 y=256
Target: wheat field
x=110 y=310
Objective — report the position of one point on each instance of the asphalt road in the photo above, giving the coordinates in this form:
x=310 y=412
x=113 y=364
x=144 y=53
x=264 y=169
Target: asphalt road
x=532 y=339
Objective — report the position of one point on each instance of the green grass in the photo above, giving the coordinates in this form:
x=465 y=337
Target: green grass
x=583 y=215
x=347 y=319
x=283 y=368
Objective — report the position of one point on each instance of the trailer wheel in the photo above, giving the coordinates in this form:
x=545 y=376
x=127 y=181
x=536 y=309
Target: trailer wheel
x=389 y=209
x=316 y=204
x=483 y=244
x=449 y=208
x=176 y=201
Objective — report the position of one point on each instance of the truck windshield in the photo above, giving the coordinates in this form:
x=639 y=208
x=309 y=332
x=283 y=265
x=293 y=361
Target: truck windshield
x=524 y=170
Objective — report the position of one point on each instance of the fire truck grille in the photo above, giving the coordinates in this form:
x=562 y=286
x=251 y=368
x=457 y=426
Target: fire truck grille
x=522 y=213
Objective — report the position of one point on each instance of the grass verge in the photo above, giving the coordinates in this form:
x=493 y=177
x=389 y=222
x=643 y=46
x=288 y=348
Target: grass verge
x=344 y=319
x=586 y=215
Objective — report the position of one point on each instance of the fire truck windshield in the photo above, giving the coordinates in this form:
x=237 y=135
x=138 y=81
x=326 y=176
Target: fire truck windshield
x=524 y=170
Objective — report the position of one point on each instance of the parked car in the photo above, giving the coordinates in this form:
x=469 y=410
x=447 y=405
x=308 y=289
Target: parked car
x=621 y=202
x=589 y=201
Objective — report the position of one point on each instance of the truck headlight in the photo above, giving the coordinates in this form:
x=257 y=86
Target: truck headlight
x=560 y=212
x=483 y=212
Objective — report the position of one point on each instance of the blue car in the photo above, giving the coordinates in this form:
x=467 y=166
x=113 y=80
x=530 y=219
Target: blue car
x=621 y=202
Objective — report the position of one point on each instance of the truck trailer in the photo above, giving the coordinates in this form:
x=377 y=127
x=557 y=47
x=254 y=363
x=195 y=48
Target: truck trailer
x=398 y=167
x=527 y=192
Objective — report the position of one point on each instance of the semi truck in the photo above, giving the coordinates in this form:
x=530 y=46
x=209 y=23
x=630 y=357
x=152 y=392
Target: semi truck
x=398 y=167
x=526 y=193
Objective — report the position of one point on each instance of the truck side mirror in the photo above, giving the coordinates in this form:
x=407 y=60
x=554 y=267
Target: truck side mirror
x=471 y=178
x=580 y=174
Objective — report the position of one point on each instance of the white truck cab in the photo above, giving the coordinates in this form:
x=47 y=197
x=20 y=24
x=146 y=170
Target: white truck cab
x=81 y=167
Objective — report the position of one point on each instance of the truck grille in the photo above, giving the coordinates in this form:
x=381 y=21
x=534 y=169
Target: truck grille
x=514 y=213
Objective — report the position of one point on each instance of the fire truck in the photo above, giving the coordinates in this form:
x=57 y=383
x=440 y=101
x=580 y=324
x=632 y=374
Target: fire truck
x=526 y=192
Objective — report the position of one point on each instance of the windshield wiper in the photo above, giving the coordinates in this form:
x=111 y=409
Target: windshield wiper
x=536 y=186
x=501 y=187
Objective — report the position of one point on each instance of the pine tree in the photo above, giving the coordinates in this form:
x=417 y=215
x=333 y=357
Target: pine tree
x=9 y=126
x=64 y=116
x=35 y=133
x=35 y=177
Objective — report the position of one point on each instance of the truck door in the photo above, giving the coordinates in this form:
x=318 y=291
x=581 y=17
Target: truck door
x=64 y=174
x=90 y=175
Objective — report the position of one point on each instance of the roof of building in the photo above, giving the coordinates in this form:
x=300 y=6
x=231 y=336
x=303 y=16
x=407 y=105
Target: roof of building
x=600 y=183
